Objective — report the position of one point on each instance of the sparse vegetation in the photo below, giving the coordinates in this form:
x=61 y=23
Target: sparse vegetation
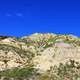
x=30 y=50
x=17 y=72
x=68 y=71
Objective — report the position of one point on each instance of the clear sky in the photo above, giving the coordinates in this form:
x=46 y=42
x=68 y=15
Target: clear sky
x=24 y=17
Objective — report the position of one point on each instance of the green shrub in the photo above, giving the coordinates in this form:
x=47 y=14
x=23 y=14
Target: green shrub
x=17 y=72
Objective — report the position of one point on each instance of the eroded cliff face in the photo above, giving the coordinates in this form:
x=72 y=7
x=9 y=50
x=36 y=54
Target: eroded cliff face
x=41 y=50
x=60 y=53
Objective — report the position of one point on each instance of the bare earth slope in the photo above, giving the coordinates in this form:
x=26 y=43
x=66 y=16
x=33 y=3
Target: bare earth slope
x=43 y=51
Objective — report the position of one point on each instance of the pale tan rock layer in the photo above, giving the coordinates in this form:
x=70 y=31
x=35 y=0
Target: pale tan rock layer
x=48 y=50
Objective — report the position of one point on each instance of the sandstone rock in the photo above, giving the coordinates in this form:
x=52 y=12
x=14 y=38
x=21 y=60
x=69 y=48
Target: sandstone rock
x=17 y=52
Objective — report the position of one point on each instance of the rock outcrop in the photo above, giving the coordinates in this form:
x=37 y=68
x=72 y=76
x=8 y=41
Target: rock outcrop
x=41 y=50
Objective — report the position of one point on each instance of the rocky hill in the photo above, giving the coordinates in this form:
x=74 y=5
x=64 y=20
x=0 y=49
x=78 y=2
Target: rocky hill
x=34 y=57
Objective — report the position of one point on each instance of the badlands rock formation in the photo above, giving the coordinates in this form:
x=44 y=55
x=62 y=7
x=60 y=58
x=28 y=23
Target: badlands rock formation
x=47 y=50
x=41 y=50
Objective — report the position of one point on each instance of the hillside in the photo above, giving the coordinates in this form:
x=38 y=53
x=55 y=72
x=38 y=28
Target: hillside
x=40 y=57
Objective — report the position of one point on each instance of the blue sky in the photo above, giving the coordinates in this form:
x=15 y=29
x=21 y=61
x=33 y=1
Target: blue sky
x=24 y=17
